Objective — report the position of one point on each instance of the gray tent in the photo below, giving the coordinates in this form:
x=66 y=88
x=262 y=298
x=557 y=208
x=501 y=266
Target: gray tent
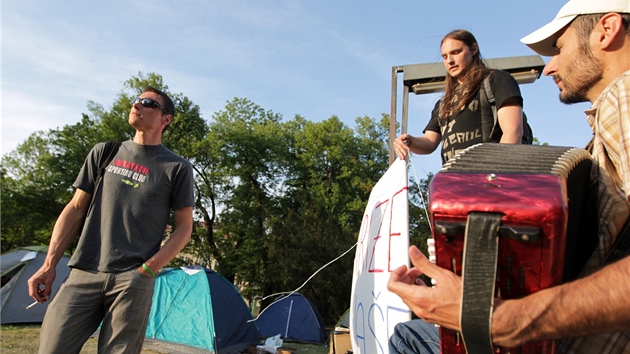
x=344 y=320
x=17 y=267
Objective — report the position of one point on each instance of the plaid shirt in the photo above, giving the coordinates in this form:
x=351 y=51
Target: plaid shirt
x=609 y=117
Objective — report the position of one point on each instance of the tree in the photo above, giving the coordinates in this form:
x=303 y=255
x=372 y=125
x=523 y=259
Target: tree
x=243 y=141
x=32 y=192
x=331 y=174
x=286 y=198
x=419 y=224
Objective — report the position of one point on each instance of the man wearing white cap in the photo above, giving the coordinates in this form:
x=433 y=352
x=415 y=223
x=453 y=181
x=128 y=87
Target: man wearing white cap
x=589 y=41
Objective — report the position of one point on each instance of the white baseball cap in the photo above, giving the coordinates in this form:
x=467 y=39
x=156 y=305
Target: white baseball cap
x=542 y=40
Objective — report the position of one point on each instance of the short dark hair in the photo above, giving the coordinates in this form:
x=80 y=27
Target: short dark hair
x=584 y=25
x=168 y=103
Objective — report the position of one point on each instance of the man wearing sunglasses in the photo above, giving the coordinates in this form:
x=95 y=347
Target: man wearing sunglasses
x=120 y=249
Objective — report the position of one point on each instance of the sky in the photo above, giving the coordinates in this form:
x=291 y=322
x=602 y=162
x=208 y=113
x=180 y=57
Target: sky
x=312 y=58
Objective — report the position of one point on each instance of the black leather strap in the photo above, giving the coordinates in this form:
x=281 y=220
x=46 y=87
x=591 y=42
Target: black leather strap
x=109 y=151
x=479 y=269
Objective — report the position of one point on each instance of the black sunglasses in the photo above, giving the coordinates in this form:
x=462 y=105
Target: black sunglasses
x=149 y=103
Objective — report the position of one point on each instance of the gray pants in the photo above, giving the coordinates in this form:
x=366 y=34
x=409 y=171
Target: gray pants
x=121 y=301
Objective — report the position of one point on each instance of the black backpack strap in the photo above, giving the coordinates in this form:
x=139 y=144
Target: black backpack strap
x=109 y=151
x=489 y=123
x=488 y=110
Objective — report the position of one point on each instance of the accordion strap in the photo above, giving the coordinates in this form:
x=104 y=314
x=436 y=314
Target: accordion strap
x=479 y=269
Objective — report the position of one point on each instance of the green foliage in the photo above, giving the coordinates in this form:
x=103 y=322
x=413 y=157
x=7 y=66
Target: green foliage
x=419 y=229
x=33 y=193
x=318 y=219
x=536 y=142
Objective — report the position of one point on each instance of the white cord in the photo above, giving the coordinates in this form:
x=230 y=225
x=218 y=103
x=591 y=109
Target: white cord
x=424 y=204
x=301 y=286
x=289 y=293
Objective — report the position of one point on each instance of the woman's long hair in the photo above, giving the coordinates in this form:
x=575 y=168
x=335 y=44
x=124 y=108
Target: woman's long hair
x=470 y=82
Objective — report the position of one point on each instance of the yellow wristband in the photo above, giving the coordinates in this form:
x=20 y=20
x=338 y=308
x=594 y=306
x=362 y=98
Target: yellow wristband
x=148 y=269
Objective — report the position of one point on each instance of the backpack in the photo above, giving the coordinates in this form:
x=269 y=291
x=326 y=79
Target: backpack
x=488 y=122
x=109 y=151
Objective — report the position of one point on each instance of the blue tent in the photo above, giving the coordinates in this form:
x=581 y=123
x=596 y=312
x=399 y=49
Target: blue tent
x=294 y=318
x=198 y=307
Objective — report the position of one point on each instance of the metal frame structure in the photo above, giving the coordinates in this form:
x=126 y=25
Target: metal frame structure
x=429 y=78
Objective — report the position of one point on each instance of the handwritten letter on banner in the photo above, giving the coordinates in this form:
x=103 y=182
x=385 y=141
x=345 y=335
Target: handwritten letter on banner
x=382 y=246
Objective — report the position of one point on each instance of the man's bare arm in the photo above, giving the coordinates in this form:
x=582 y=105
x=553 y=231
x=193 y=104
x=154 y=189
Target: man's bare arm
x=175 y=243
x=598 y=303
x=65 y=230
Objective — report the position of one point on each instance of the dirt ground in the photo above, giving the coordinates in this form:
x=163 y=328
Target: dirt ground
x=24 y=339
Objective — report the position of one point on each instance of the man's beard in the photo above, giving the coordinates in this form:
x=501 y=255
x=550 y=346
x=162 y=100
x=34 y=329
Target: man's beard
x=582 y=74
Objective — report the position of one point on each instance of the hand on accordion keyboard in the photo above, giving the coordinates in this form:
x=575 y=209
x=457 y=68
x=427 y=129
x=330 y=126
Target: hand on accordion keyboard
x=439 y=304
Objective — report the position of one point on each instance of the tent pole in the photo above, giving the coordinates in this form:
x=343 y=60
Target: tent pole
x=286 y=332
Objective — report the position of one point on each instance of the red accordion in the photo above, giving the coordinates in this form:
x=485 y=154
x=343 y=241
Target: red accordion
x=506 y=218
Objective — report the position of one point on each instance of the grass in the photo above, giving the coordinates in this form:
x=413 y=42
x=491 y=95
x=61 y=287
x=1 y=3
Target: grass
x=24 y=339
x=19 y=339
x=306 y=348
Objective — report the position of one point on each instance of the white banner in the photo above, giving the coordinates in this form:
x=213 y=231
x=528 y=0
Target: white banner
x=382 y=246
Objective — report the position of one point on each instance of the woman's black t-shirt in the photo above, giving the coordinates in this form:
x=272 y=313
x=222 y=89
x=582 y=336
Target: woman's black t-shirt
x=463 y=129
